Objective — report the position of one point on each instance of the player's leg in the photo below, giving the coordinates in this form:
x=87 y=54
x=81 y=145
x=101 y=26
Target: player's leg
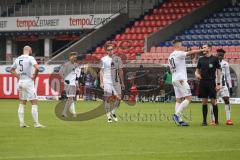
x=73 y=109
x=176 y=118
x=23 y=101
x=213 y=96
x=35 y=114
x=204 y=111
x=228 y=110
x=117 y=101
x=215 y=110
x=203 y=93
x=69 y=104
x=107 y=101
x=32 y=96
x=185 y=91
x=21 y=109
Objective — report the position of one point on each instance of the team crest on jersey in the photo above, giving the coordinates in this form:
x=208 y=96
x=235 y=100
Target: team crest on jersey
x=210 y=65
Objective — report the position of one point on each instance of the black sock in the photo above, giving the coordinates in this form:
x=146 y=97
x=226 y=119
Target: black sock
x=215 y=112
x=204 y=112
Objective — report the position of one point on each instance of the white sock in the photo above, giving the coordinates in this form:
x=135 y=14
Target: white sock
x=66 y=106
x=116 y=105
x=35 y=113
x=21 y=113
x=212 y=114
x=176 y=106
x=182 y=105
x=107 y=107
x=72 y=108
x=228 y=111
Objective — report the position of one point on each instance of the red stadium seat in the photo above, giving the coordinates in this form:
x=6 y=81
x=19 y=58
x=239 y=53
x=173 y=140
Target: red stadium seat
x=147 y=23
x=147 y=18
x=127 y=30
x=232 y=49
x=155 y=29
x=134 y=36
x=118 y=37
x=149 y=30
x=141 y=24
x=138 y=30
x=153 y=24
x=159 y=24
x=159 y=49
x=136 y=23
x=155 y=11
x=144 y=30
x=153 y=50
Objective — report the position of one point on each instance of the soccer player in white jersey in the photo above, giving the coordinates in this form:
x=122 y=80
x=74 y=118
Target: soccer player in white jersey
x=25 y=68
x=181 y=87
x=112 y=82
x=225 y=86
x=70 y=72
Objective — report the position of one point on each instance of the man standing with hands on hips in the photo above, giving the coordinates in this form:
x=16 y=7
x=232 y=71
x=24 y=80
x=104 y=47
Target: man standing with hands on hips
x=209 y=73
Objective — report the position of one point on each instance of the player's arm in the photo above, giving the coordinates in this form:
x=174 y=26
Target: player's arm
x=14 y=73
x=101 y=78
x=198 y=74
x=192 y=52
x=13 y=70
x=218 y=80
x=101 y=74
x=36 y=71
x=61 y=72
x=121 y=75
x=198 y=71
x=228 y=76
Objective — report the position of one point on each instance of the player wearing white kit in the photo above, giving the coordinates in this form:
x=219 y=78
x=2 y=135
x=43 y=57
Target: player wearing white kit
x=112 y=82
x=25 y=68
x=225 y=86
x=182 y=90
x=70 y=72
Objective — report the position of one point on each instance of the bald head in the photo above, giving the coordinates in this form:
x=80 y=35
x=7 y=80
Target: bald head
x=27 y=50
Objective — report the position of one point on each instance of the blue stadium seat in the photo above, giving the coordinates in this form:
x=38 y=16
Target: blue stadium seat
x=215 y=43
x=219 y=37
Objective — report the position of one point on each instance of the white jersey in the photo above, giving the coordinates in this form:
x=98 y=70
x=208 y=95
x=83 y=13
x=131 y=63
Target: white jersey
x=24 y=65
x=225 y=76
x=70 y=72
x=177 y=65
x=111 y=66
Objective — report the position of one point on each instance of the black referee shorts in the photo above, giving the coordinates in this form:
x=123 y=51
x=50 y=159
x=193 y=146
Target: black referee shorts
x=207 y=89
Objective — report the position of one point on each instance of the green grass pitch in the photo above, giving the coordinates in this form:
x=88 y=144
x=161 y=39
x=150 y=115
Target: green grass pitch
x=144 y=132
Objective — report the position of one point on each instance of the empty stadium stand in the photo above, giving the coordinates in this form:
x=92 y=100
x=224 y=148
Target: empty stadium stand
x=130 y=42
x=221 y=30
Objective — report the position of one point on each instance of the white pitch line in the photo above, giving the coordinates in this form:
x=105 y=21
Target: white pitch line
x=116 y=154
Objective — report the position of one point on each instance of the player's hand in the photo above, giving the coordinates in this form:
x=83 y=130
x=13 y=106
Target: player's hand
x=123 y=86
x=33 y=77
x=231 y=91
x=198 y=76
x=101 y=85
x=17 y=76
x=217 y=87
x=67 y=81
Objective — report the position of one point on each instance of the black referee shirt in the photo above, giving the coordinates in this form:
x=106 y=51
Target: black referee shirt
x=208 y=66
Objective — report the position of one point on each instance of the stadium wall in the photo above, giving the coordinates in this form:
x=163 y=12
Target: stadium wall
x=185 y=22
x=95 y=38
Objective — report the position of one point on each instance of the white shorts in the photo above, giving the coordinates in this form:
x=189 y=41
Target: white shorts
x=110 y=89
x=181 y=88
x=27 y=90
x=224 y=92
x=70 y=90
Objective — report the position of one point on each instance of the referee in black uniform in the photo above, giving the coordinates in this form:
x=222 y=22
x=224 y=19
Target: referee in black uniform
x=209 y=73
